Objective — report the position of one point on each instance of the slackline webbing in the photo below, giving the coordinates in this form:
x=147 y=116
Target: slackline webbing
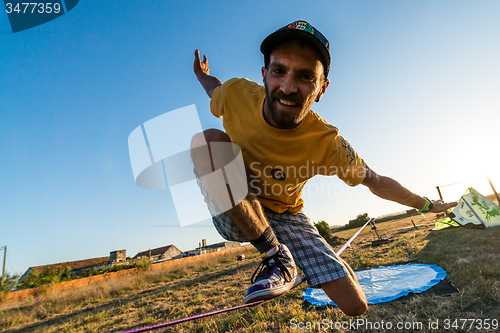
x=175 y=322
x=464 y=181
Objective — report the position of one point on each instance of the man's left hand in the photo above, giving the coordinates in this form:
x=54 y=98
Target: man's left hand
x=440 y=206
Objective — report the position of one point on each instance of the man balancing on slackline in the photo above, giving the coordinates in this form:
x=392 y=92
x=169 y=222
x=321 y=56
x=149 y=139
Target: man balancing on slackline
x=280 y=138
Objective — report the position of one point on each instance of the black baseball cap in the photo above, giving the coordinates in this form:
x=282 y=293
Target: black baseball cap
x=303 y=31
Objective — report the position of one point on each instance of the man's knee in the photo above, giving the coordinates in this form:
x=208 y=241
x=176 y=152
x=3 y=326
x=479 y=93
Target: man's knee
x=356 y=308
x=347 y=294
x=209 y=135
x=212 y=150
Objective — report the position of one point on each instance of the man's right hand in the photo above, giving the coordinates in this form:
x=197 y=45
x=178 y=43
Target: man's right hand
x=200 y=66
x=201 y=71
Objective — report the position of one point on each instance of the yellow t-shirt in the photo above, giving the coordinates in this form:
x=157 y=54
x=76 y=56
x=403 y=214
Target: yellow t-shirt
x=278 y=161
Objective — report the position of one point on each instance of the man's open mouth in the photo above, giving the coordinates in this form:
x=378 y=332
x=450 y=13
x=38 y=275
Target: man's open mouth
x=287 y=103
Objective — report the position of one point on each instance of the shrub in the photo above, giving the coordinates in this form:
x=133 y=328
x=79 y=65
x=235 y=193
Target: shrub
x=48 y=276
x=358 y=222
x=324 y=229
x=143 y=263
x=9 y=283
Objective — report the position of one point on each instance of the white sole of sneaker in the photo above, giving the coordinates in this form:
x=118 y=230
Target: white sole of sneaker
x=266 y=294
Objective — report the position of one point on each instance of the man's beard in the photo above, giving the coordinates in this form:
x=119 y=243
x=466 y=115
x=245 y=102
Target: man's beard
x=283 y=119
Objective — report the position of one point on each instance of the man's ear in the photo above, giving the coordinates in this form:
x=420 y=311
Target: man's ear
x=264 y=73
x=324 y=85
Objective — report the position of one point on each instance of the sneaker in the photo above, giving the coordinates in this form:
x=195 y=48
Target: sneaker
x=275 y=275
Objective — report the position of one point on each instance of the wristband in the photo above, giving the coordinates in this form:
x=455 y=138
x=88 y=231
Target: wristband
x=427 y=206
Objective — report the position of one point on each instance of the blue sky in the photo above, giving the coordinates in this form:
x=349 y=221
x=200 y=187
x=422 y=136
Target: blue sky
x=414 y=89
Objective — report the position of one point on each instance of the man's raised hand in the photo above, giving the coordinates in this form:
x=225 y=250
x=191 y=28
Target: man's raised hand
x=201 y=71
x=200 y=66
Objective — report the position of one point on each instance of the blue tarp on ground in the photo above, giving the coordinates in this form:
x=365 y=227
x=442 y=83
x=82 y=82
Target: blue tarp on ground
x=387 y=283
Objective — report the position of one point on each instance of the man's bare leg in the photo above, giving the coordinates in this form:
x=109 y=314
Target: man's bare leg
x=347 y=293
x=248 y=215
x=278 y=273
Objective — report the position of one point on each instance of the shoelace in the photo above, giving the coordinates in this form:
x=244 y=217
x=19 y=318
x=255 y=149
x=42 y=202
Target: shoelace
x=264 y=267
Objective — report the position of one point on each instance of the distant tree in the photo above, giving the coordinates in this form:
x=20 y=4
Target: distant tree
x=324 y=229
x=9 y=283
x=358 y=221
x=48 y=276
x=90 y=272
x=143 y=263
x=66 y=274
x=31 y=281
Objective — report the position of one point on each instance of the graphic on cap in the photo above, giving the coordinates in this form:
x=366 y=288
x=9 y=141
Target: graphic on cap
x=301 y=25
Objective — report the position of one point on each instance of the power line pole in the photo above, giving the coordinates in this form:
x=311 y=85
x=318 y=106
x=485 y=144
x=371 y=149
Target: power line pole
x=494 y=191
x=3 y=270
x=439 y=192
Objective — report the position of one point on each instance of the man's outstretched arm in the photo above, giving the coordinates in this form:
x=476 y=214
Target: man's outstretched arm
x=389 y=189
x=201 y=70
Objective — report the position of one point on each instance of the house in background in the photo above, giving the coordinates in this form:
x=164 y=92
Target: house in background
x=218 y=246
x=204 y=248
x=77 y=267
x=118 y=256
x=80 y=266
x=161 y=253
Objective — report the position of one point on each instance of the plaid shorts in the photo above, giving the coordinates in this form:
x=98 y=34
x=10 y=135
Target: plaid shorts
x=312 y=254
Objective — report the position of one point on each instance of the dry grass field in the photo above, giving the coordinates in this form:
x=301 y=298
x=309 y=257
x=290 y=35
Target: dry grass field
x=471 y=259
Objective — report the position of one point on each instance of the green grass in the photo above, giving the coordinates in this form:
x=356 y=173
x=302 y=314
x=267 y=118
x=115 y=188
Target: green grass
x=470 y=258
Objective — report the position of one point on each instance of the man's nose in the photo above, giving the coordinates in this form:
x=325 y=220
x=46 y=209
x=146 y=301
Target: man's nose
x=289 y=85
